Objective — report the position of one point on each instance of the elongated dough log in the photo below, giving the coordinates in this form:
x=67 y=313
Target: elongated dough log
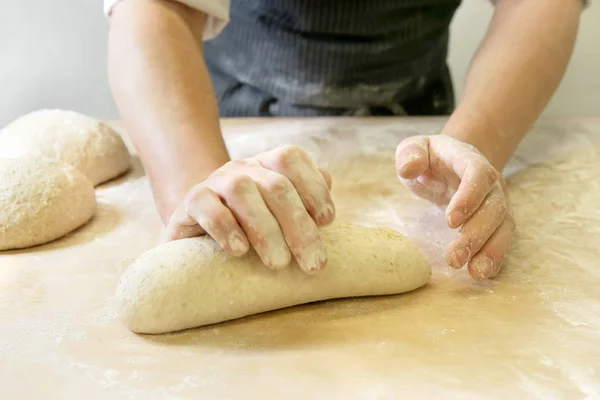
x=193 y=282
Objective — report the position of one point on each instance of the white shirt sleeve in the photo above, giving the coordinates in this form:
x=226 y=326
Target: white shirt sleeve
x=217 y=12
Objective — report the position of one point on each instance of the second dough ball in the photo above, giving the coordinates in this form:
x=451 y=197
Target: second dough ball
x=41 y=200
x=85 y=143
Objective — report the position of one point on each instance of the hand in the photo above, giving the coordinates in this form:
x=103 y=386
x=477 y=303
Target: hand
x=452 y=173
x=273 y=201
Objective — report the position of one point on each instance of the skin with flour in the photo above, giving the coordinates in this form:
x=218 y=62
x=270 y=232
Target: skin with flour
x=160 y=82
x=273 y=201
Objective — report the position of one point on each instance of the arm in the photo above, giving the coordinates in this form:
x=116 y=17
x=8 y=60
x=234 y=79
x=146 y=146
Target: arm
x=272 y=202
x=511 y=79
x=514 y=73
x=164 y=93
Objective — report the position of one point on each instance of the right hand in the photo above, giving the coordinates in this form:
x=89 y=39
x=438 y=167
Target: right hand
x=273 y=202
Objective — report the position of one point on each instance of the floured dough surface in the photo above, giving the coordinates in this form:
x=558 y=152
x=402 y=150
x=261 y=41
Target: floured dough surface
x=85 y=143
x=41 y=200
x=193 y=282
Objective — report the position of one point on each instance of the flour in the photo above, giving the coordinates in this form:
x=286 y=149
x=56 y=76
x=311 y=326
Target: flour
x=540 y=326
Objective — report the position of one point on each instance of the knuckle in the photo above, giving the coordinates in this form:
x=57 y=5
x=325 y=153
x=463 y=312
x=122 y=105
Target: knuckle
x=512 y=224
x=235 y=164
x=289 y=154
x=501 y=208
x=482 y=171
x=496 y=205
x=216 y=226
x=196 y=193
x=238 y=184
x=490 y=173
x=220 y=220
x=495 y=253
x=236 y=167
x=279 y=185
x=469 y=241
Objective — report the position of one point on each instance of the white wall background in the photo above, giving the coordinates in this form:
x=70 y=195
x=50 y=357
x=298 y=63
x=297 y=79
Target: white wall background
x=579 y=92
x=53 y=54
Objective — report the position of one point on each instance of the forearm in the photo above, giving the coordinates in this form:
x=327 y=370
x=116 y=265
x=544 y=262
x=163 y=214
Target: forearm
x=514 y=74
x=164 y=94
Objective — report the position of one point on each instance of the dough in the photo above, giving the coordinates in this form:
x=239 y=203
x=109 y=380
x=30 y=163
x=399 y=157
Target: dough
x=193 y=282
x=89 y=145
x=41 y=200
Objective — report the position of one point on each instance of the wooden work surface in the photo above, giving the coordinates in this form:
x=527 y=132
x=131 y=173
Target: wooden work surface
x=534 y=332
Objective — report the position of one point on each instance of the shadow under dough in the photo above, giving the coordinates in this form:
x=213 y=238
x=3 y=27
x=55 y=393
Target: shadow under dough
x=311 y=325
x=135 y=171
x=106 y=218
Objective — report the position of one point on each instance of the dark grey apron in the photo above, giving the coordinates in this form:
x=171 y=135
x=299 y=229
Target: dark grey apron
x=333 y=57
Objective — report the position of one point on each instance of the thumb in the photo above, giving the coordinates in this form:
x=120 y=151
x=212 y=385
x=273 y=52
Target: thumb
x=180 y=226
x=412 y=157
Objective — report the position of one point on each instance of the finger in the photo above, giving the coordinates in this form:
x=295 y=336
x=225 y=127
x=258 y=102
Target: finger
x=181 y=225
x=299 y=230
x=295 y=164
x=242 y=197
x=412 y=157
x=478 y=229
x=202 y=212
x=427 y=188
x=327 y=177
x=177 y=232
x=488 y=262
x=473 y=173
x=206 y=208
x=476 y=182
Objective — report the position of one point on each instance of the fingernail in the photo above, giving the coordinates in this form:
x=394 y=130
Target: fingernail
x=483 y=267
x=496 y=270
x=456 y=218
x=281 y=258
x=313 y=260
x=407 y=161
x=237 y=244
x=325 y=214
x=403 y=164
x=406 y=167
x=461 y=256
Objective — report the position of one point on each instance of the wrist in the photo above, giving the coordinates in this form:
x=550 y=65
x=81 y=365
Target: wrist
x=171 y=185
x=479 y=130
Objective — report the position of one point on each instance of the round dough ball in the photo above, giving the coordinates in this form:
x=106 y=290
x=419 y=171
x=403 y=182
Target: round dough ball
x=41 y=200
x=85 y=143
x=192 y=282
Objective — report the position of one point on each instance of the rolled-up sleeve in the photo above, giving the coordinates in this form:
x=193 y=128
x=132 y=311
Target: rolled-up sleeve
x=217 y=12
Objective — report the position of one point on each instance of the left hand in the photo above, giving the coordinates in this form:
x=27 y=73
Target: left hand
x=455 y=174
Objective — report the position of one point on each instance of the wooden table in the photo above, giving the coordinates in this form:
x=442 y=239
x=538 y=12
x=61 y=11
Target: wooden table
x=534 y=332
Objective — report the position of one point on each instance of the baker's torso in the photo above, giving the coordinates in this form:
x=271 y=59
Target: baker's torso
x=315 y=57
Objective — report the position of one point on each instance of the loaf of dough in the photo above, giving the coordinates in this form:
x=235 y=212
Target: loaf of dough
x=41 y=200
x=193 y=282
x=83 y=142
